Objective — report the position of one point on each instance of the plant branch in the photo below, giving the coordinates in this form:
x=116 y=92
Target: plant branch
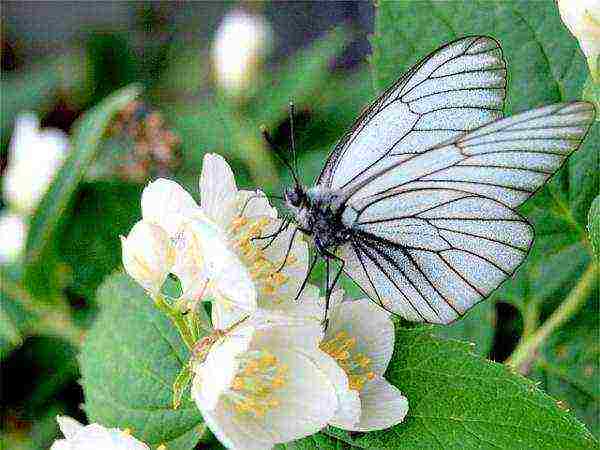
x=525 y=352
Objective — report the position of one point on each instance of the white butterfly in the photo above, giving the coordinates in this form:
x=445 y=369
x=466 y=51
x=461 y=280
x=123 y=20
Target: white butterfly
x=417 y=201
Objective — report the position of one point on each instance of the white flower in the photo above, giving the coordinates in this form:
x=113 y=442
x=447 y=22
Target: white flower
x=222 y=246
x=93 y=436
x=13 y=230
x=267 y=384
x=241 y=43
x=582 y=18
x=360 y=337
x=148 y=255
x=34 y=157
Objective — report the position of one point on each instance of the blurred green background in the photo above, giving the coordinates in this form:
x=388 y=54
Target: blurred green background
x=59 y=59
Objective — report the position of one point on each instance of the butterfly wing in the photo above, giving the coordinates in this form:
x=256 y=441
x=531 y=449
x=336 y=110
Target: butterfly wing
x=457 y=88
x=439 y=234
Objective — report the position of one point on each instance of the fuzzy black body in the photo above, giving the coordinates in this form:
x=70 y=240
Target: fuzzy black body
x=318 y=214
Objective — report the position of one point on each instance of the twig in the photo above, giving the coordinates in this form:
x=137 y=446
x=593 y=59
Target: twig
x=525 y=353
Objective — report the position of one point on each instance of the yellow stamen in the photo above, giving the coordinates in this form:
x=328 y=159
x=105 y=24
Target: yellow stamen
x=254 y=388
x=237 y=223
x=278 y=278
x=264 y=272
x=341 y=347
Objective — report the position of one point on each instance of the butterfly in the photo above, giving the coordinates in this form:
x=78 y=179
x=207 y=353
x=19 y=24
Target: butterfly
x=417 y=201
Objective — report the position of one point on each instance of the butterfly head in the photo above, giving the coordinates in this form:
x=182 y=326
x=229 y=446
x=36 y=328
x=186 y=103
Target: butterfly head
x=295 y=196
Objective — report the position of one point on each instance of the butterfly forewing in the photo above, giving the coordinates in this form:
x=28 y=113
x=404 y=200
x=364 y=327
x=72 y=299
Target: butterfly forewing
x=459 y=87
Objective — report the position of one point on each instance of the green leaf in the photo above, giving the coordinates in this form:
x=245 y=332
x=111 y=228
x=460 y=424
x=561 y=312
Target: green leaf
x=129 y=362
x=477 y=327
x=85 y=143
x=458 y=400
x=15 y=320
x=319 y=441
x=300 y=79
x=593 y=226
x=591 y=93
x=36 y=88
x=568 y=366
x=110 y=209
x=12 y=322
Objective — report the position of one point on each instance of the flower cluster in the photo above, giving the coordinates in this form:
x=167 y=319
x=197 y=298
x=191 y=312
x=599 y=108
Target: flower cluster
x=271 y=373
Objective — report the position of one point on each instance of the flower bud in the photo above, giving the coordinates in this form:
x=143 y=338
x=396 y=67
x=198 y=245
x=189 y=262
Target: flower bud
x=34 y=158
x=148 y=255
x=241 y=44
x=13 y=230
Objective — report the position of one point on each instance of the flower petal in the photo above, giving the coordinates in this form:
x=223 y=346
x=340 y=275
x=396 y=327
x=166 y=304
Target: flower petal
x=69 y=426
x=370 y=324
x=307 y=401
x=582 y=18
x=308 y=307
x=292 y=257
x=148 y=255
x=235 y=431
x=218 y=191
x=216 y=373
x=94 y=436
x=255 y=204
x=278 y=330
x=383 y=406
x=61 y=444
x=167 y=204
x=189 y=263
x=228 y=278
x=349 y=406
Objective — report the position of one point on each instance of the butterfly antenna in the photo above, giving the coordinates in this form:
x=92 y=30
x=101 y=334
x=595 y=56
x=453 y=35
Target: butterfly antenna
x=292 y=139
x=271 y=142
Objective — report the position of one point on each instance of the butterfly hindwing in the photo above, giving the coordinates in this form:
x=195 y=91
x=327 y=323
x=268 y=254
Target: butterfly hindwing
x=439 y=252
x=445 y=236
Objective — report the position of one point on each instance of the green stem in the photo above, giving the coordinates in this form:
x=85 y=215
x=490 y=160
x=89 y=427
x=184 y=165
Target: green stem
x=531 y=317
x=525 y=352
x=177 y=318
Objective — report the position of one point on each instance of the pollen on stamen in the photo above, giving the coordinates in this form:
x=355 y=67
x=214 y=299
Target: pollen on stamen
x=267 y=274
x=253 y=390
x=356 y=365
x=237 y=223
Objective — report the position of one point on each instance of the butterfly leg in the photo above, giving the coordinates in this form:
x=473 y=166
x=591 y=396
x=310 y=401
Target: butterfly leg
x=307 y=277
x=284 y=226
x=289 y=250
x=329 y=287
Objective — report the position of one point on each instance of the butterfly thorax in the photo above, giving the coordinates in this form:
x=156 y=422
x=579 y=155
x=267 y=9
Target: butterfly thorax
x=318 y=214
